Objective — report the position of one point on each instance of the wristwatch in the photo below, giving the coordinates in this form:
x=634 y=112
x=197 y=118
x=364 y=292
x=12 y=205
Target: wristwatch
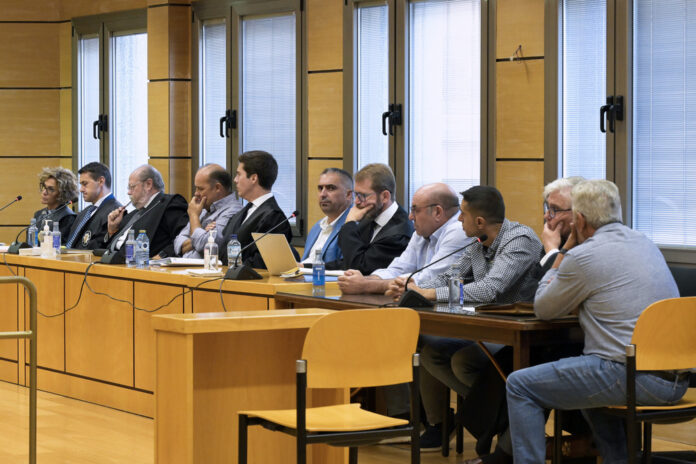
x=563 y=251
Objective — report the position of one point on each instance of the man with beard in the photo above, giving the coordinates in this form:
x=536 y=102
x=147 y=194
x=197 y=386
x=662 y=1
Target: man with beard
x=335 y=195
x=377 y=229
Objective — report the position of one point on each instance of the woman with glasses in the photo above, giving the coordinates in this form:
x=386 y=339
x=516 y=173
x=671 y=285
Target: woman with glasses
x=58 y=188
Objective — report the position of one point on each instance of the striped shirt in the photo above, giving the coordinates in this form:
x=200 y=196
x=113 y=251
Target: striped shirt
x=500 y=273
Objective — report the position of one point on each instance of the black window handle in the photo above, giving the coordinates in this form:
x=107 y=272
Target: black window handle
x=100 y=125
x=229 y=120
x=385 y=115
x=95 y=129
x=616 y=110
x=222 y=123
x=603 y=110
x=394 y=117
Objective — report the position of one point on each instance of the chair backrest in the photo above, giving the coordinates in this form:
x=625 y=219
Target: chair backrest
x=664 y=335
x=361 y=348
x=685 y=277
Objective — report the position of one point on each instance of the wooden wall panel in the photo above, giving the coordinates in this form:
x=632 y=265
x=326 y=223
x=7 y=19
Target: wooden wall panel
x=30 y=122
x=51 y=331
x=180 y=177
x=325 y=114
x=209 y=302
x=179 y=42
x=29 y=55
x=20 y=177
x=158 y=43
x=324 y=34
x=65 y=54
x=520 y=109
x=9 y=321
x=36 y=10
x=169 y=118
x=8 y=233
x=520 y=22
x=314 y=213
x=158 y=118
x=100 y=330
x=149 y=297
x=66 y=122
x=162 y=165
x=74 y=8
x=521 y=183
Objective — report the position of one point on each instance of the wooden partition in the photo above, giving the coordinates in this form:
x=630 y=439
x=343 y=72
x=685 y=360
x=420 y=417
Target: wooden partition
x=96 y=342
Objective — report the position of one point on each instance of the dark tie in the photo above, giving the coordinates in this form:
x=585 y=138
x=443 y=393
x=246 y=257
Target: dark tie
x=236 y=221
x=87 y=214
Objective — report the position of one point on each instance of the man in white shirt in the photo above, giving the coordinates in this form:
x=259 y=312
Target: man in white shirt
x=437 y=233
x=335 y=195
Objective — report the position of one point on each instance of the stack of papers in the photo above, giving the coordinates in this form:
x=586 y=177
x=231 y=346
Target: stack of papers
x=308 y=271
x=177 y=262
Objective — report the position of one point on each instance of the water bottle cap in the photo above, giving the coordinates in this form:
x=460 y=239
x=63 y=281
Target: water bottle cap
x=233 y=237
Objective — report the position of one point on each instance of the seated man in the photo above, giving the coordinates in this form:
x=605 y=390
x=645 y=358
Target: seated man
x=612 y=273
x=496 y=271
x=377 y=229
x=89 y=228
x=162 y=216
x=438 y=233
x=256 y=173
x=335 y=192
x=211 y=207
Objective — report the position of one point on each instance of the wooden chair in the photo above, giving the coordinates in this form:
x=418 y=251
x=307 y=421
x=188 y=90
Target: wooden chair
x=359 y=348
x=663 y=340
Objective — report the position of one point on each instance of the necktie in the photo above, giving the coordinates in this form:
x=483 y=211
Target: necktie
x=85 y=217
x=371 y=230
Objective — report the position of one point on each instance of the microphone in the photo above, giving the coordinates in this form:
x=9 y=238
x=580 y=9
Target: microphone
x=17 y=198
x=113 y=256
x=243 y=272
x=413 y=299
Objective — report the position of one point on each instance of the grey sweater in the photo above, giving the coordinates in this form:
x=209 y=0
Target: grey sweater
x=612 y=276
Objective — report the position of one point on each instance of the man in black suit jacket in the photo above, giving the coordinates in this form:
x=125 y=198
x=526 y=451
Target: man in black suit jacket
x=256 y=173
x=89 y=228
x=162 y=216
x=377 y=229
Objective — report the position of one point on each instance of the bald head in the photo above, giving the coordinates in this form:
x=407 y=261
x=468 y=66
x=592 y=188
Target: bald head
x=432 y=206
x=212 y=183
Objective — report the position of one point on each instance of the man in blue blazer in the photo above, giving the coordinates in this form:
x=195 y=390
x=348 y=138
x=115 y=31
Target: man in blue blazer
x=335 y=195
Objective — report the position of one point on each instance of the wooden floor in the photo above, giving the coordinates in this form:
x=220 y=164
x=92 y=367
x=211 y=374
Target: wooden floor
x=76 y=432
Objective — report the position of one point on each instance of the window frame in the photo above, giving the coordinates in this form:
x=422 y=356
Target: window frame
x=619 y=159
x=234 y=11
x=105 y=26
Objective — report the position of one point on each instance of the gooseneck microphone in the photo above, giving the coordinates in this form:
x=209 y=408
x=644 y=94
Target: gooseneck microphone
x=413 y=299
x=17 y=198
x=113 y=256
x=243 y=272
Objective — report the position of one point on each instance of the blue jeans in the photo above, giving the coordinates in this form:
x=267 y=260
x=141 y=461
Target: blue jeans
x=582 y=382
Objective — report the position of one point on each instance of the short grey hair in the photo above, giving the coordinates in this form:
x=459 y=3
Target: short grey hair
x=598 y=201
x=562 y=183
x=146 y=172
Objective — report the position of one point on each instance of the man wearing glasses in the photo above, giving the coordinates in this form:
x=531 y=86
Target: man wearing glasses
x=377 y=229
x=438 y=233
x=162 y=216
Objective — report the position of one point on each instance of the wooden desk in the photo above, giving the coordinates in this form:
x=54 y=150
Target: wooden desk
x=103 y=351
x=209 y=366
x=519 y=332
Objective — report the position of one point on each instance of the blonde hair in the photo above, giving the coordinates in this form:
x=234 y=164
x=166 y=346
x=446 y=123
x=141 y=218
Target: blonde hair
x=65 y=181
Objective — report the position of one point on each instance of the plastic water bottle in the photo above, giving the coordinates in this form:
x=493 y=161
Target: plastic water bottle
x=210 y=253
x=55 y=235
x=233 y=250
x=33 y=233
x=130 y=249
x=318 y=275
x=142 y=251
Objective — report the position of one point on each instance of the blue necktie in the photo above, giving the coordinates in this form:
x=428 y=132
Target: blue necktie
x=86 y=217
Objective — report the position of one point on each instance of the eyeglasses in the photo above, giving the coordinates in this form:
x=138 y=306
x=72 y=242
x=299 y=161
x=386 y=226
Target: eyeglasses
x=43 y=187
x=415 y=209
x=551 y=211
x=131 y=187
x=363 y=196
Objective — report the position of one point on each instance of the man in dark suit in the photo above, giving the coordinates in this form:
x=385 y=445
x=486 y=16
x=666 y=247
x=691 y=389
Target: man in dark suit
x=377 y=229
x=162 y=216
x=256 y=172
x=89 y=228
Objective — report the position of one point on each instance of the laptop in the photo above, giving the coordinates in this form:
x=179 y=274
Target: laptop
x=276 y=253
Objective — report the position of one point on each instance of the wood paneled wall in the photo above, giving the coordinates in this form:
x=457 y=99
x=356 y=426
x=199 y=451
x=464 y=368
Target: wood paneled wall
x=36 y=96
x=519 y=96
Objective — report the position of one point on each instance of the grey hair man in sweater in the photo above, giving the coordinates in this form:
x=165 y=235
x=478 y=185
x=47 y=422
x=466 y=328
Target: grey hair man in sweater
x=611 y=273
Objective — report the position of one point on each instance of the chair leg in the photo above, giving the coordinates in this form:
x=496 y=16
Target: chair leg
x=631 y=441
x=647 y=442
x=445 y=426
x=557 y=437
x=242 y=440
x=353 y=455
x=458 y=424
